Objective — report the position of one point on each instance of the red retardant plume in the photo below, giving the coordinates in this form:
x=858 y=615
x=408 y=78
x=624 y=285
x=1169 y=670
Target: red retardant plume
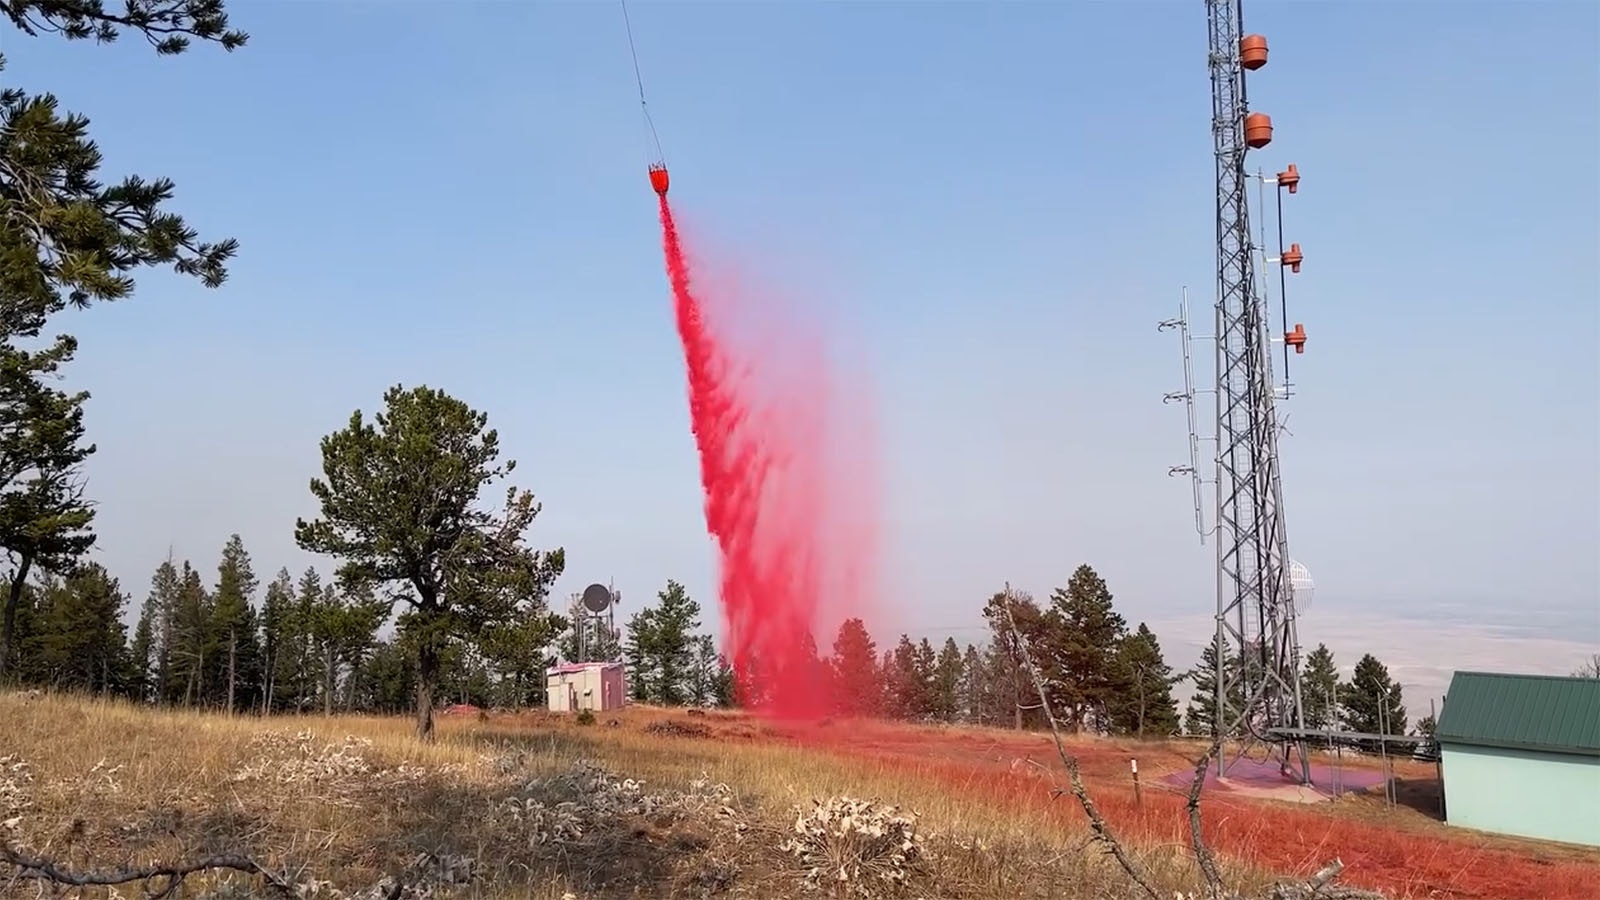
x=786 y=499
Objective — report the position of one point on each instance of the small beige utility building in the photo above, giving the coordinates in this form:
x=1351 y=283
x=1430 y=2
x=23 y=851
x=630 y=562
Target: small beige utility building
x=595 y=686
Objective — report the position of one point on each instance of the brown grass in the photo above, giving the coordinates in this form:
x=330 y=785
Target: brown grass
x=113 y=785
x=106 y=785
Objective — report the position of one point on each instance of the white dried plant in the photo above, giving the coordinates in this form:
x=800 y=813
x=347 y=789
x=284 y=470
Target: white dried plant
x=855 y=847
x=588 y=799
x=16 y=791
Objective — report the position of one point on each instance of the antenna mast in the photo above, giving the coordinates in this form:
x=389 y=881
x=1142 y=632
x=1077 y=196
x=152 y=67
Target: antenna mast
x=1258 y=683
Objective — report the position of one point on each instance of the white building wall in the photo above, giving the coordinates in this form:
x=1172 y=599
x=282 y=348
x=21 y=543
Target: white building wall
x=1551 y=796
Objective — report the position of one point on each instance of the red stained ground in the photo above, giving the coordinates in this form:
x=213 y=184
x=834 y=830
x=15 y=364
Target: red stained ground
x=1403 y=852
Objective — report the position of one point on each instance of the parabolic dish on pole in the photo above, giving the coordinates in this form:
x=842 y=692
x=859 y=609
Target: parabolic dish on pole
x=596 y=597
x=1301 y=587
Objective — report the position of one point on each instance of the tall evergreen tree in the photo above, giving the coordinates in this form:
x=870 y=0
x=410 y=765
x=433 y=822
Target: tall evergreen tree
x=637 y=651
x=1200 y=719
x=302 y=650
x=66 y=238
x=672 y=653
x=660 y=647
x=161 y=607
x=1082 y=646
x=857 y=690
x=140 y=655
x=517 y=651
x=1373 y=702
x=341 y=627
x=44 y=518
x=1013 y=695
x=279 y=632
x=193 y=637
x=1143 y=703
x=907 y=682
x=399 y=506
x=974 y=686
x=237 y=664
x=1428 y=750
x=81 y=643
x=946 y=693
x=1320 y=688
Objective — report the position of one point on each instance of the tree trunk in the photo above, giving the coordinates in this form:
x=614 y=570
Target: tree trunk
x=271 y=666
x=350 y=683
x=19 y=582
x=427 y=675
x=330 y=680
x=233 y=654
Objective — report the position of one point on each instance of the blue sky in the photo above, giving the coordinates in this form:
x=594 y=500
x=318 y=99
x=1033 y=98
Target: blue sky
x=1003 y=198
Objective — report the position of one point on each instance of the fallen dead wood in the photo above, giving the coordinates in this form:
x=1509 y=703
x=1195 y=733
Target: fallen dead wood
x=40 y=869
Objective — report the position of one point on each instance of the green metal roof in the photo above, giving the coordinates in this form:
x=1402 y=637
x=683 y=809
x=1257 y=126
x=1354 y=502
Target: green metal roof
x=1529 y=712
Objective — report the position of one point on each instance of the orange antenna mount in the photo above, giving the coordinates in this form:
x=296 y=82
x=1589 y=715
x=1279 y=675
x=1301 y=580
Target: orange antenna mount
x=1296 y=338
x=1292 y=258
x=1257 y=130
x=1252 y=51
x=1290 y=178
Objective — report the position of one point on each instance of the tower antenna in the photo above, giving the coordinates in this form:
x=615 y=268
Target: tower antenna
x=1258 y=696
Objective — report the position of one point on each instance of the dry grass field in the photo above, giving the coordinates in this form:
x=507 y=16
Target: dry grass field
x=657 y=803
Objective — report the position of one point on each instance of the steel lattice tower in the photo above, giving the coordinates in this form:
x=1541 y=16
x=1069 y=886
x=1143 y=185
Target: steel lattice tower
x=1258 y=690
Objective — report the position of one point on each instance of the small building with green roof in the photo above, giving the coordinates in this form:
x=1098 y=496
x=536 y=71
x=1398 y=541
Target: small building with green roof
x=1521 y=755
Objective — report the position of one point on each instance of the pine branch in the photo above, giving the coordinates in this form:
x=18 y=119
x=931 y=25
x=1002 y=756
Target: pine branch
x=166 y=24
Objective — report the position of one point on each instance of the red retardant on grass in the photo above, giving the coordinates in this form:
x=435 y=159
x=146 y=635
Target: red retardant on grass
x=1417 y=859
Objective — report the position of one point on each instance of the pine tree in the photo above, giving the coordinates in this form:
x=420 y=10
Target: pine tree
x=974 y=686
x=340 y=628
x=161 y=607
x=45 y=521
x=908 y=688
x=672 y=651
x=67 y=238
x=517 y=651
x=1428 y=750
x=32 y=612
x=140 y=656
x=857 y=690
x=703 y=672
x=1012 y=692
x=80 y=643
x=194 y=640
x=946 y=694
x=278 y=636
x=723 y=686
x=399 y=503
x=1320 y=689
x=1200 y=719
x=388 y=680
x=1082 y=644
x=306 y=673
x=1143 y=703
x=637 y=650
x=1372 y=703
x=237 y=664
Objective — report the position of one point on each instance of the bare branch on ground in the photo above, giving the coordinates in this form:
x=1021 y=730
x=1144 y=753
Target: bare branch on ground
x=40 y=869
